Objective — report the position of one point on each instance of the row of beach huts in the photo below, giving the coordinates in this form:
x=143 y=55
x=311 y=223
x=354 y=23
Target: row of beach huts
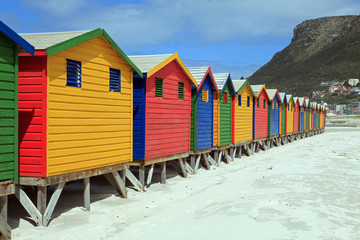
x=74 y=106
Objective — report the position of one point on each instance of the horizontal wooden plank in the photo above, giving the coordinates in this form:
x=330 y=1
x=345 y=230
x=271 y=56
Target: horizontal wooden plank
x=89 y=129
x=61 y=137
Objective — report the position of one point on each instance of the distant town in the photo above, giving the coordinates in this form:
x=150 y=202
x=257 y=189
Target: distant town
x=343 y=97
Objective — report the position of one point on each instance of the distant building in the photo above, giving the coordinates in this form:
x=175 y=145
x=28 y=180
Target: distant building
x=353 y=82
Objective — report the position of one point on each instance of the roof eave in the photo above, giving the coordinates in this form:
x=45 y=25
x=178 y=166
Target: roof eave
x=21 y=42
x=175 y=57
x=62 y=46
x=209 y=72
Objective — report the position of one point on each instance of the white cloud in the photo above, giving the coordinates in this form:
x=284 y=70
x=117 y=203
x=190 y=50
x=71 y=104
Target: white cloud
x=206 y=21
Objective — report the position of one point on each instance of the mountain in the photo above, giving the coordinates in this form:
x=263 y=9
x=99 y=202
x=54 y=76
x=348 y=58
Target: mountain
x=323 y=49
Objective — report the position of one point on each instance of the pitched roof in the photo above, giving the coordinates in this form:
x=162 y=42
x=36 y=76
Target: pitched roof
x=16 y=38
x=273 y=93
x=240 y=84
x=302 y=101
x=56 y=42
x=221 y=80
x=45 y=40
x=150 y=64
x=282 y=96
x=258 y=88
x=289 y=97
x=200 y=73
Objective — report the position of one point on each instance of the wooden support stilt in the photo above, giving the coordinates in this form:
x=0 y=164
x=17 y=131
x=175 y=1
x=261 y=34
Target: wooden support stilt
x=197 y=163
x=257 y=147
x=28 y=205
x=192 y=161
x=188 y=168
x=150 y=174
x=41 y=198
x=4 y=207
x=182 y=167
x=211 y=160
x=137 y=185
x=231 y=152
x=5 y=230
x=142 y=175
x=216 y=157
x=239 y=152
x=123 y=176
x=227 y=157
x=119 y=183
x=219 y=158
x=233 y=155
x=163 y=172
x=206 y=161
x=86 y=194
x=52 y=203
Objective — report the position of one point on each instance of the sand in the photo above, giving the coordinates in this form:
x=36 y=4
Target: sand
x=308 y=189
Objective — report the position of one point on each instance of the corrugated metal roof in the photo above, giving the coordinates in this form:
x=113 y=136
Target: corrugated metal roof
x=148 y=62
x=198 y=73
x=272 y=93
x=295 y=99
x=256 y=88
x=238 y=84
x=45 y=40
x=220 y=79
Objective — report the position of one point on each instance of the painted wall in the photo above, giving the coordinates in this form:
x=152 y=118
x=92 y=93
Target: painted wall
x=204 y=116
x=167 y=126
x=88 y=127
x=282 y=119
x=226 y=116
x=290 y=117
x=243 y=116
x=217 y=120
x=261 y=116
x=32 y=114
x=8 y=109
x=274 y=113
x=296 y=117
x=301 y=119
x=139 y=99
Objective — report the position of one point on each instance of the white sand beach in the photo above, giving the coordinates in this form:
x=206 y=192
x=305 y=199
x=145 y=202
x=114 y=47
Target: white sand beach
x=308 y=189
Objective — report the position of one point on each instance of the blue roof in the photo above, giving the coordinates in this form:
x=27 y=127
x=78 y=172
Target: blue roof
x=16 y=38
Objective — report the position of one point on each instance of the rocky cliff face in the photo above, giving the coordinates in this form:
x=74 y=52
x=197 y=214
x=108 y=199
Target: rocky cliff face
x=322 y=49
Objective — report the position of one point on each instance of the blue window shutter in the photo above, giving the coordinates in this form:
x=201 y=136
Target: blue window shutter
x=248 y=101
x=239 y=100
x=73 y=73
x=115 y=80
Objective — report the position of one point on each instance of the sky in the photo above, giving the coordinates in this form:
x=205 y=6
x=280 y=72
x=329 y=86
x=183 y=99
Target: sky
x=235 y=36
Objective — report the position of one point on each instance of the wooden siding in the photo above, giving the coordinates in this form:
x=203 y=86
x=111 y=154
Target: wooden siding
x=8 y=109
x=301 y=119
x=139 y=107
x=225 y=116
x=274 y=118
x=217 y=121
x=283 y=119
x=243 y=116
x=193 y=128
x=167 y=118
x=32 y=115
x=261 y=116
x=204 y=116
x=296 y=117
x=290 y=117
x=88 y=127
